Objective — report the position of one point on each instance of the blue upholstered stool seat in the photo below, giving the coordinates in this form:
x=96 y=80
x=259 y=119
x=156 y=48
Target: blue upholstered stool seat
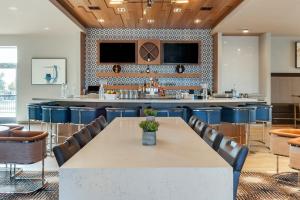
x=34 y=111
x=209 y=115
x=172 y=112
x=84 y=115
x=239 y=114
x=264 y=113
x=55 y=114
x=112 y=113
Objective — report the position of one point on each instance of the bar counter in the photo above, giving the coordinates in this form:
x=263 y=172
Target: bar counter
x=216 y=101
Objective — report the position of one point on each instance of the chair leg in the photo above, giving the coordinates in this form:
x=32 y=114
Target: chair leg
x=248 y=135
x=277 y=164
x=263 y=132
x=51 y=138
x=43 y=170
x=298 y=181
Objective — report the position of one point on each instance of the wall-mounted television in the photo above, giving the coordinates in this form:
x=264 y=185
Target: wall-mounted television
x=181 y=53
x=113 y=52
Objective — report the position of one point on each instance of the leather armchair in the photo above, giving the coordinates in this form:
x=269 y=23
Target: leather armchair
x=23 y=147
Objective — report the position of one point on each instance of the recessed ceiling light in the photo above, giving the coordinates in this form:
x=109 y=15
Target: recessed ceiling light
x=144 y=12
x=245 y=30
x=197 y=21
x=46 y=28
x=13 y=8
x=121 y=10
x=150 y=21
x=177 y=10
x=116 y=1
x=180 y=1
x=101 y=20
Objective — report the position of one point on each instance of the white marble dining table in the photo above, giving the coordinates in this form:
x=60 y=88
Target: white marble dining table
x=116 y=166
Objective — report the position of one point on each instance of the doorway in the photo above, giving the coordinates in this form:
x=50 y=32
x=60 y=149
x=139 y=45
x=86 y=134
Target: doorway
x=8 y=92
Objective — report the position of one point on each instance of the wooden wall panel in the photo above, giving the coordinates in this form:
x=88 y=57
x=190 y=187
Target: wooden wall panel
x=282 y=89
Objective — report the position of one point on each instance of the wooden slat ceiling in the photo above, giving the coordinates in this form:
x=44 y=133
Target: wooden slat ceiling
x=161 y=11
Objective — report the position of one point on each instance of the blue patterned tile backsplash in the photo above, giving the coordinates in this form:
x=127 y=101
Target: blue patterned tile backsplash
x=197 y=35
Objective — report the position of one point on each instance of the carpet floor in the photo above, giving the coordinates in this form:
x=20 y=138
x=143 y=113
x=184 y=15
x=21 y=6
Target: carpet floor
x=253 y=186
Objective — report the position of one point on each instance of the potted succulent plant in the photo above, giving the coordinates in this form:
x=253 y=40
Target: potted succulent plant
x=150 y=114
x=149 y=132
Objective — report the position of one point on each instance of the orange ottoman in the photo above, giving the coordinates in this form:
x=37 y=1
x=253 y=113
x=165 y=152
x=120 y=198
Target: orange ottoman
x=294 y=153
x=279 y=140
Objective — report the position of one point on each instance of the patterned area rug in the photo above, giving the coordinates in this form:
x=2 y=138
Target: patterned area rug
x=49 y=193
x=253 y=186
x=262 y=186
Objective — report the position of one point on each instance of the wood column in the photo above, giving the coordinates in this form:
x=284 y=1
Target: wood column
x=82 y=61
x=216 y=60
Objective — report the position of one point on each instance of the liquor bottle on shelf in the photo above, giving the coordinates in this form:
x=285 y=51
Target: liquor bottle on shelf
x=101 y=91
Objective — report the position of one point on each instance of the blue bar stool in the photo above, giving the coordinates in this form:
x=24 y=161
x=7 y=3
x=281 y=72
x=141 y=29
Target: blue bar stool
x=34 y=113
x=112 y=113
x=264 y=116
x=84 y=115
x=172 y=112
x=54 y=115
x=210 y=115
x=240 y=115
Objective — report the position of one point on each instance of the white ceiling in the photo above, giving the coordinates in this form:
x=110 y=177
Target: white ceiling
x=280 y=17
x=33 y=17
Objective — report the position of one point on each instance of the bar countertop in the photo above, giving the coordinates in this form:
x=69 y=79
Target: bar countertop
x=97 y=100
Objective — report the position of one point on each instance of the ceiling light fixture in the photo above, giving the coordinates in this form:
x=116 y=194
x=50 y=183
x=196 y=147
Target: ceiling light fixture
x=177 y=10
x=245 y=30
x=116 y=1
x=179 y=1
x=121 y=10
x=13 y=8
x=150 y=21
x=46 y=28
x=144 y=12
x=149 y=3
x=197 y=21
x=101 y=20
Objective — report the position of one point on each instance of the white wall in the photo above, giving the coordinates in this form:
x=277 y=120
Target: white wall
x=43 y=46
x=283 y=54
x=240 y=64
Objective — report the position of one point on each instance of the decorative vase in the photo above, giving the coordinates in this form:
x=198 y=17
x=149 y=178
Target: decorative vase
x=150 y=118
x=149 y=138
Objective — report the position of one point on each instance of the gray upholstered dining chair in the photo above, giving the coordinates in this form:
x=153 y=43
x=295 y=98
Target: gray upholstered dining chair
x=65 y=151
x=200 y=128
x=213 y=138
x=192 y=121
x=235 y=154
x=83 y=137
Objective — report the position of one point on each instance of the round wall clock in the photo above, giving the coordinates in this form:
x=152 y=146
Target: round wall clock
x=180 y=69
x=117 y=68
